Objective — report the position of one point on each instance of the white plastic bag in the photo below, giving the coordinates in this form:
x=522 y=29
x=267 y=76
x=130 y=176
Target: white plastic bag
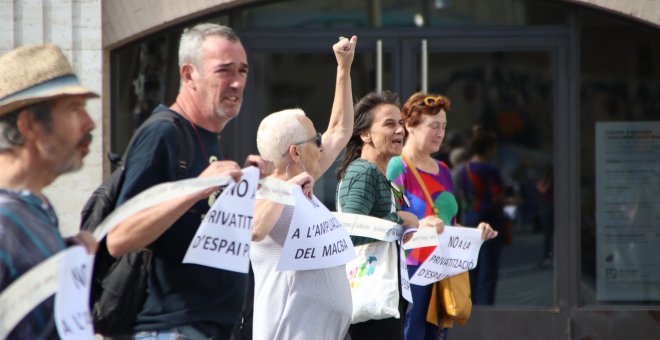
x=374 y=282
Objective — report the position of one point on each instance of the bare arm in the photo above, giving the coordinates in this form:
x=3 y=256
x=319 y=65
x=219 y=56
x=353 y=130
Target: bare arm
x=145 y=227
x=266 y=213
x=340 y=126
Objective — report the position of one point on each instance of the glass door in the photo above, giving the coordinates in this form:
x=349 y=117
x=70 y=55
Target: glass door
x=298 y=72
x=509 y=86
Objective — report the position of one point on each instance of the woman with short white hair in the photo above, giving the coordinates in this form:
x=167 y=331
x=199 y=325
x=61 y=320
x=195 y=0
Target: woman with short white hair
x=305 y=304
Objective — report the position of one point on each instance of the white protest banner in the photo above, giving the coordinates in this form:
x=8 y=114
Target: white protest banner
x=405 y=279
x=316 y=239
x=423 y=237
x=273 y=191
x=457 y=252
x=276 y=190
x=36 y=285
x=223 y=239
x=156 y=195
x=27 y=292
x=368 y=226
x=41 y=282
x=72 y=317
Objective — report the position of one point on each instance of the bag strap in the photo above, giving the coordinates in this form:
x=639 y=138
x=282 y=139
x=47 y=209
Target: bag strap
x=184 y=149
x=421 y=183
x=184 y=138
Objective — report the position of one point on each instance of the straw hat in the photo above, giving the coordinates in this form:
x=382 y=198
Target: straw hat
x=33 y=74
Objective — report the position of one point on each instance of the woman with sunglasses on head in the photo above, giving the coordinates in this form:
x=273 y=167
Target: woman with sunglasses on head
x=305 y=304
x=363 y=189
x=425 y=120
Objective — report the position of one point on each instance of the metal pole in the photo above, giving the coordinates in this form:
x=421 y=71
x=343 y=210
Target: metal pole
x=379 y=64
x=424 y=67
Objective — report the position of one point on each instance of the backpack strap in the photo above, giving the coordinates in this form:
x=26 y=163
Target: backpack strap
x=185 y=145
x=184 y=149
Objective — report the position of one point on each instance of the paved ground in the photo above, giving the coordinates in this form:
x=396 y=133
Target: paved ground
x=523 y=281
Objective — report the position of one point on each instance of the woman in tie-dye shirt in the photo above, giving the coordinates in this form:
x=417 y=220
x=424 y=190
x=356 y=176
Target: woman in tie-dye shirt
x=425 y=121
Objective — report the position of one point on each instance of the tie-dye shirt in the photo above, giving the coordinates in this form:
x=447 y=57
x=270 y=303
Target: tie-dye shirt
x=439 y=186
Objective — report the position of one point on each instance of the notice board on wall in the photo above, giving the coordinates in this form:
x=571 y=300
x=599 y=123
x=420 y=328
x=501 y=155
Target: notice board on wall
x=627 y=211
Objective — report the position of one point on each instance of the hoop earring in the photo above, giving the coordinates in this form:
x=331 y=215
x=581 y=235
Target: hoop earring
x=286 y=170
x=302 y=164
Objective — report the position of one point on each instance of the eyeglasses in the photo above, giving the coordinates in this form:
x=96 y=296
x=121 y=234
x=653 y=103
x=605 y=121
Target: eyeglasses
x=317 y=139
x=431 y=101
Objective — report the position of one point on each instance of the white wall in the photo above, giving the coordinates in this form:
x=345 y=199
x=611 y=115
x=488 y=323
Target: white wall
x=74 y=25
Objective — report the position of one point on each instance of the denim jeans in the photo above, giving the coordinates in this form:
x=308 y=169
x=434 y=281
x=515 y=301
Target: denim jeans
x=415 y=325
x=176 y=333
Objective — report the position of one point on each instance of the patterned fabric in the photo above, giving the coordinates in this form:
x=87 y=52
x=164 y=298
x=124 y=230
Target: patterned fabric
x=28 y=235
x=365 y=190
x=439 y=186
x=303 y=304
x=478 y=184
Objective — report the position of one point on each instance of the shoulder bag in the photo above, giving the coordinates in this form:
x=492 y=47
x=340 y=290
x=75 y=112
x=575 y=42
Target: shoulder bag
x=374 y=285
x=451 y=295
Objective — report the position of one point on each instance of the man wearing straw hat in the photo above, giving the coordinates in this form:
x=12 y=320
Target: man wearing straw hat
x=44 y=133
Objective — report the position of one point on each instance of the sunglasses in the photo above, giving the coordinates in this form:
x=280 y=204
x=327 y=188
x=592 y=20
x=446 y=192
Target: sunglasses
x=317 y=139
x=431 y=101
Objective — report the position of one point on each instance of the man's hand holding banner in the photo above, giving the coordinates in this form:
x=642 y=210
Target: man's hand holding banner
x=223 y=239
x=45 y=279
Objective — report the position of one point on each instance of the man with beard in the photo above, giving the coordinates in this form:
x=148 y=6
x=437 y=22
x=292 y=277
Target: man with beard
x=44 y=133
x=187 y=300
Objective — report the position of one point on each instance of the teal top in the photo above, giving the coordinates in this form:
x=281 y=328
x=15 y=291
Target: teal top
x=365 y=190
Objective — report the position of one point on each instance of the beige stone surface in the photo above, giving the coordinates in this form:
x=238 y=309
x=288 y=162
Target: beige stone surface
x=643 y=10
x=74 y=25
x=126 y=20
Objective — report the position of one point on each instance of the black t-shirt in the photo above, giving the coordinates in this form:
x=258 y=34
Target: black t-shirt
x=207 y=298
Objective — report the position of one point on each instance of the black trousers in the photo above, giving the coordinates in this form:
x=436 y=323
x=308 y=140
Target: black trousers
x=385 y=329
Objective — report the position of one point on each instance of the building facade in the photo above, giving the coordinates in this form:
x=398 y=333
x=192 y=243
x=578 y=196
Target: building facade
x=572 y=89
